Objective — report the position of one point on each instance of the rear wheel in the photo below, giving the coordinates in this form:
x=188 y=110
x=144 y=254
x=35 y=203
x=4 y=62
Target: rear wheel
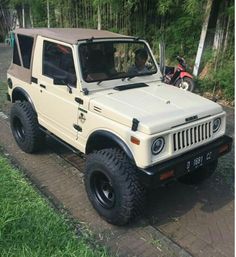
x=186 y=84
x=25 y=127
x=113 y=187
x=199 y=175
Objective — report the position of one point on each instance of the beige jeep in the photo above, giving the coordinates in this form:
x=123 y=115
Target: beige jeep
x=101 y=94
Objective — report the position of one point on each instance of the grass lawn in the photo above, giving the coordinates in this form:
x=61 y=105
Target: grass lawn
x=29 y=227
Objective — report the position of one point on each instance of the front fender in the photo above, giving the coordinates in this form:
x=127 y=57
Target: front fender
x=103 y=139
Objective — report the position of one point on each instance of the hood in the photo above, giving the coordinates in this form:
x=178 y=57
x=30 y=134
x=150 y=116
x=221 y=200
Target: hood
x=158 y=107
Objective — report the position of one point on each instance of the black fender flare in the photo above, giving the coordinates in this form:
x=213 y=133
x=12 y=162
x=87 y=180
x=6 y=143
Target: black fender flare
x=114 y=138
x=21 y=91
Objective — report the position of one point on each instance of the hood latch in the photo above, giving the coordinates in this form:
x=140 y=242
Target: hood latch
x=135 y=124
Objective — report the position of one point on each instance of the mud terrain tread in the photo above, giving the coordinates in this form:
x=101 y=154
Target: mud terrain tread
x=34 y=138
x=124 y=174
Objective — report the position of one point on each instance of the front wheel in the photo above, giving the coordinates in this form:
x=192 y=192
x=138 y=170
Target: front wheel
x=186 y=84
x=199 y=175
x=112 y=186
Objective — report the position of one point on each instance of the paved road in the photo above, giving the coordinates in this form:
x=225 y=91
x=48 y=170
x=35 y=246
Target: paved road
x=179 y=220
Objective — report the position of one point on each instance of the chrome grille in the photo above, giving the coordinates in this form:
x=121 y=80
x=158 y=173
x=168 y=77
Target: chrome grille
x=190 y=136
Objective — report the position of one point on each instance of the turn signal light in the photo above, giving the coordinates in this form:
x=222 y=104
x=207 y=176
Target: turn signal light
x=135 y=140
x=167 y=174
x=223 y=149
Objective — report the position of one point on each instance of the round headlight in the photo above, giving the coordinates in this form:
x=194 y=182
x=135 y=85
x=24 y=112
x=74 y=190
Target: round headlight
x=216 y=124
x=158 y=145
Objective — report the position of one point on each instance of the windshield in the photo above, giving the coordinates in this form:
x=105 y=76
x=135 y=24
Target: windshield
x=111 y=60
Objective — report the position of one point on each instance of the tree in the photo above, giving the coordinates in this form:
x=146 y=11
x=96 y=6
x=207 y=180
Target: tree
x=178 y=23
x=202 y=38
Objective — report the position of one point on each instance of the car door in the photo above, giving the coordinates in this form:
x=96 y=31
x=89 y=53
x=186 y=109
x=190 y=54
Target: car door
x=56 y=105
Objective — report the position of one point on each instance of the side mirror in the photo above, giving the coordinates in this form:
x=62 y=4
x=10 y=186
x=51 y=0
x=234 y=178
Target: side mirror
x=60 y=80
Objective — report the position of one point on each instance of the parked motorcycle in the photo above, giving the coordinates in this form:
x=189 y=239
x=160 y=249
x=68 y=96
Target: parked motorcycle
x=179 y=77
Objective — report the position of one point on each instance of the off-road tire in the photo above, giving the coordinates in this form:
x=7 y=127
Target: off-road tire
x=199 y=175
x=127 y=195
x=25 y=127
x=189 y=81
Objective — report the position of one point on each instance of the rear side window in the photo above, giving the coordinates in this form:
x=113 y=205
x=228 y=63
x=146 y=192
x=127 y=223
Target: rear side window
x=58 y=62
x=16 y=58
x=26 y=45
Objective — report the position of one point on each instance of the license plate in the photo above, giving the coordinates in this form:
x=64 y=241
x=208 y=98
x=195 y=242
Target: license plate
x=199 y=161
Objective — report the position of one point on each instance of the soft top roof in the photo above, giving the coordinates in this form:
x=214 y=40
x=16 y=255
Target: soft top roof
x=69 y=35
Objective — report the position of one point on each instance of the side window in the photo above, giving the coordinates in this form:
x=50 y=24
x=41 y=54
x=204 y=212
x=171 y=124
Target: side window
x=26 y=45
x=16 y=58
x=58 y=62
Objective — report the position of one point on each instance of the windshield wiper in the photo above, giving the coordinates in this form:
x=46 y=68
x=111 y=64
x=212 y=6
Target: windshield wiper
x=139 y=75
x=130 y=86
x=131 y=77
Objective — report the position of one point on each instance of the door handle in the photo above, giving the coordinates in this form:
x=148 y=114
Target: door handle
x=42 y=86
x=79 y=100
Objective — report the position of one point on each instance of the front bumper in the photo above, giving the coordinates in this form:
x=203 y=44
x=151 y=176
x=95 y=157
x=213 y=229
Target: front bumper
x=168 y=170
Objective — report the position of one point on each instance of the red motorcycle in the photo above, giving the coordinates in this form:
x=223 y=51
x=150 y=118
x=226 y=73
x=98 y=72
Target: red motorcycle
x=179 y=77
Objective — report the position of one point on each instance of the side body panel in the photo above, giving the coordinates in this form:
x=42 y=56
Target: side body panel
x=56 y=107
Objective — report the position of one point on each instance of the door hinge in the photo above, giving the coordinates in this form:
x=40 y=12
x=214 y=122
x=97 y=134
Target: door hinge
x=79 y=100
x=77 y=127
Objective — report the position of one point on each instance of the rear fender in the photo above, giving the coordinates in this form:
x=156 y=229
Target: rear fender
x=19 y=94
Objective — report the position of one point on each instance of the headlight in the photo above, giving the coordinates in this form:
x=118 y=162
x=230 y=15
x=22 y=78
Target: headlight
x=216 y=124
x=158 y=145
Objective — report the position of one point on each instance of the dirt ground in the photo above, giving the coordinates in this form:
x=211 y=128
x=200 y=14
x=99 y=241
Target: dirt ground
x=179 y=220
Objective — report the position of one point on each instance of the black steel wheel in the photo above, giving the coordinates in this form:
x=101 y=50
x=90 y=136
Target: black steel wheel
x=25 y=127
x=113 y=187
x=102 y=189
x=19 y=129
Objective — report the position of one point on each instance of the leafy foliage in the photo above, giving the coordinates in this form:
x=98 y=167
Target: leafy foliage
x=177 y=23
x=221 y=80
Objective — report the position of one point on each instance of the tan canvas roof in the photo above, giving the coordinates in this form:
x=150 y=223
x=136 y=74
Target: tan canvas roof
x=69 y=35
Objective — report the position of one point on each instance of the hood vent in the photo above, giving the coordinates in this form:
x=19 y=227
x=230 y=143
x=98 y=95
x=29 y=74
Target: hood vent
x=97 y=109
x=130 y=86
